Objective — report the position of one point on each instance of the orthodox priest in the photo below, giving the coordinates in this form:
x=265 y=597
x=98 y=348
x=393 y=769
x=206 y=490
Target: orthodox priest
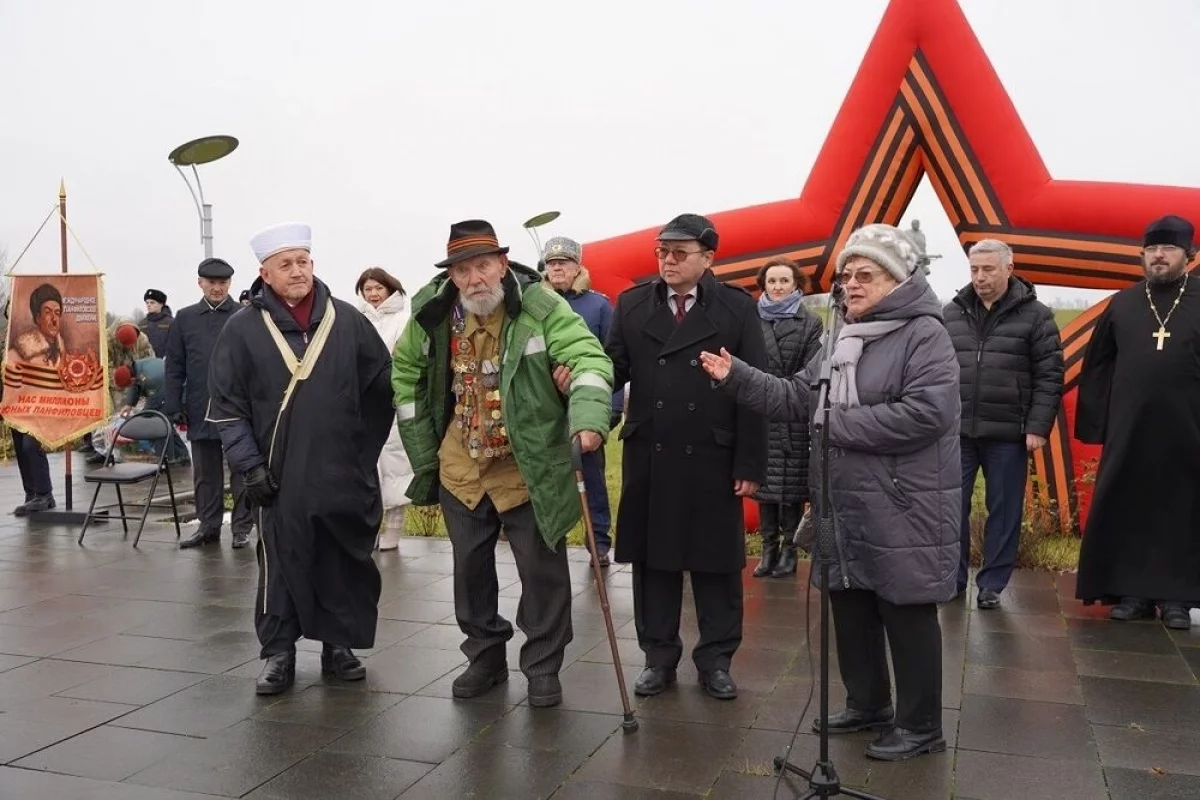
x=299 y=389
x=1139 y=396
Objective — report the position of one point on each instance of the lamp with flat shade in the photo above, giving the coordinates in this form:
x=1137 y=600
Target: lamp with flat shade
x=533 y=223
x=204 y=150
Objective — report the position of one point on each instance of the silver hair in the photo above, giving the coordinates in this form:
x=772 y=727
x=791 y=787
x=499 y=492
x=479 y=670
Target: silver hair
x=992 y=246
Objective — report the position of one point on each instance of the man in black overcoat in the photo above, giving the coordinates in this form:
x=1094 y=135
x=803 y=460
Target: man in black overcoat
x=301 y=396
x=190 y=342
x=690 y=455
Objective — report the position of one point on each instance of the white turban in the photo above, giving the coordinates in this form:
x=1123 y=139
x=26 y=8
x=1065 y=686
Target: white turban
x=277 y=238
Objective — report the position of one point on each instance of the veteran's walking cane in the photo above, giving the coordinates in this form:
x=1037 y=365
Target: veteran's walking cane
x=628 y=724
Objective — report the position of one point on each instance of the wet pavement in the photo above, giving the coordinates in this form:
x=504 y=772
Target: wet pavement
x=130 y=674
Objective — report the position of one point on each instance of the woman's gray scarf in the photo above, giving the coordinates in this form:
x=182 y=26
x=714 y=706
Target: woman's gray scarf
x=851 y=340
x=784 y=308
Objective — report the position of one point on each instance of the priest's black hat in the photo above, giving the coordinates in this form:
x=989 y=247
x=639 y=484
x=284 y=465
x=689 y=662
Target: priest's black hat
x=1170 y=230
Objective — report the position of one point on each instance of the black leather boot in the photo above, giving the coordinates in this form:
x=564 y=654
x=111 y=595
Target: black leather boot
x=899 y=744
x=339 y=662
x=484 y=672
x=771 y=544
x=278 y=674
x=851 y=721
x=786 y=565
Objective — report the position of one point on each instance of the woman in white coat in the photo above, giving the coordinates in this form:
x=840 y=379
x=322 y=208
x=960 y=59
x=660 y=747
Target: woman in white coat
x=384 y=303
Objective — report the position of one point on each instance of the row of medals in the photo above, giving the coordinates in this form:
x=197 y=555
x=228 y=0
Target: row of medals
x=488 y=437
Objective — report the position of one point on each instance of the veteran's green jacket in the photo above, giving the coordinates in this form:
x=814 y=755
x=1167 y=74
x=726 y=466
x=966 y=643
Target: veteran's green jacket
x=540 y=332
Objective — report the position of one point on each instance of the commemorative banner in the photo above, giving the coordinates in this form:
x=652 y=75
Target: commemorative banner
x=55 y=364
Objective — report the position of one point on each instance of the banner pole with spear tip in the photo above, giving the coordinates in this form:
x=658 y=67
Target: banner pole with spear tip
x=62 y=244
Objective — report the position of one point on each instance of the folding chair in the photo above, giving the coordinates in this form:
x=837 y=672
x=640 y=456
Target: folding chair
x=144 y=425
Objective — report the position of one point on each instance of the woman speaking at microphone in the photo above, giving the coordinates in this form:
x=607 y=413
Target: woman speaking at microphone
x=895 y=483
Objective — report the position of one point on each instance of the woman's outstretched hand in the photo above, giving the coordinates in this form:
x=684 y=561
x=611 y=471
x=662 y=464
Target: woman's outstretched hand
x=717 y=366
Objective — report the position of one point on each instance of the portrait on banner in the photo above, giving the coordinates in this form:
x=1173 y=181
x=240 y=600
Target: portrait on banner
x=55 y=370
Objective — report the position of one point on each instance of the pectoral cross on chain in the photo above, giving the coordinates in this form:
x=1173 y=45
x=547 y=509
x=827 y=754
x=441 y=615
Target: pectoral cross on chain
x=1161 y=335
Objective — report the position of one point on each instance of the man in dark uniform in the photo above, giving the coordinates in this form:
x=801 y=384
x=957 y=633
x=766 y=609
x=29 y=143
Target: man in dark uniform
x=690 y=455
x=157 y=322
x=567 y=275
x=190 y=344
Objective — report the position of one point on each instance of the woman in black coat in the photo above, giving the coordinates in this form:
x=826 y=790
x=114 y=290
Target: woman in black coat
x=792 y=335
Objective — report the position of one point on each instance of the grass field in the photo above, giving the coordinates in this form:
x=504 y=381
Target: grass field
x=1040 y=549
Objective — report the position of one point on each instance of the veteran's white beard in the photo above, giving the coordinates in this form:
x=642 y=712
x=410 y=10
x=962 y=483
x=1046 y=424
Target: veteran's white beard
x=484 y=304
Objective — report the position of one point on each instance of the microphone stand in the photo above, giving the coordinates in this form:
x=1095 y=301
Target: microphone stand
x=823 y=780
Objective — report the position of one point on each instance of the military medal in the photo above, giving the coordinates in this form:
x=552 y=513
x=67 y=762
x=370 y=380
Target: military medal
x=477 y=406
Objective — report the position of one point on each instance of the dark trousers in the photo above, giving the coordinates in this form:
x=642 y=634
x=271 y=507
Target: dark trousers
x=544 y=610
x=597 y=495
x=658 y=602
x=208 y=478
x=1005 y=469
x=779 y=519
x=860 y=619
x=32 y=464
x=277 y=633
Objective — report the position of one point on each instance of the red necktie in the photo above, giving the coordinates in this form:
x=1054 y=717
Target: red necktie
x=681 y=307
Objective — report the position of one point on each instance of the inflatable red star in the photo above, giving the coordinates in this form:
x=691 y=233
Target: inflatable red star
x=926 y=101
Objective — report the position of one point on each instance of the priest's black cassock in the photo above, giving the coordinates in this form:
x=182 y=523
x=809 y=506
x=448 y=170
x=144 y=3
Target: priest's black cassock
x=1142 y=403
x=315 y=405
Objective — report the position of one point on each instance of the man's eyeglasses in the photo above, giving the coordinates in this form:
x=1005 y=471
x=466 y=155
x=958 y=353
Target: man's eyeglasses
x=863 y=276
x=678 y=252
x=1168 y=249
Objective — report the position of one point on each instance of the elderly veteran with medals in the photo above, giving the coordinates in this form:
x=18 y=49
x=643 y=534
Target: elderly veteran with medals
x=488 y=435
x=299 y=393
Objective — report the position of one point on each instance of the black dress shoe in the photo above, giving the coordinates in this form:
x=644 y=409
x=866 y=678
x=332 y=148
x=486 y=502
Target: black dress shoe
x=479 y=678
x=988 y=599
x=1132 y=608
x=653 y=680
x=241 y=539
x=898 y=744
x=851 y=721
x=278 y=675
x=339 y=662
x=719 y=684
x=1176 y=616
x=544 y=691
x=200 y=537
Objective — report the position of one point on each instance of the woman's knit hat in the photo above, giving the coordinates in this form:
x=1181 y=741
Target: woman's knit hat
x=887 y=246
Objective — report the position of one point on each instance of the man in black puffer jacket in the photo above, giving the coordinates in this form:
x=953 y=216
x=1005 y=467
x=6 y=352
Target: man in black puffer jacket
x=1011 y=381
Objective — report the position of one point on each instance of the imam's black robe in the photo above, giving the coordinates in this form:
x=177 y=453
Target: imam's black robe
x=316 y=540
x=1142 y=404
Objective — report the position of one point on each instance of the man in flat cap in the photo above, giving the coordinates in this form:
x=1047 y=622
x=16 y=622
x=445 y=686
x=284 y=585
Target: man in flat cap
x=301 y=397
x=485 y=332
x=566 y=274
x=190 y=343
x=1139 y=396
x=691 y=455
x=157 y=322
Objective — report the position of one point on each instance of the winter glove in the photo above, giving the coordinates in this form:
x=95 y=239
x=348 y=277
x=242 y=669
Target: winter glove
x=261 y=487
x=179 y=418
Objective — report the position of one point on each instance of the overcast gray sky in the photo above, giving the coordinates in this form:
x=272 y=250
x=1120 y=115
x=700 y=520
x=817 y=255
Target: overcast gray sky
x=380 y=123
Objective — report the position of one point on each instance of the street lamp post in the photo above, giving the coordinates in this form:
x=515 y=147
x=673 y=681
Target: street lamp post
x=532 y=224
x=190 y=154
